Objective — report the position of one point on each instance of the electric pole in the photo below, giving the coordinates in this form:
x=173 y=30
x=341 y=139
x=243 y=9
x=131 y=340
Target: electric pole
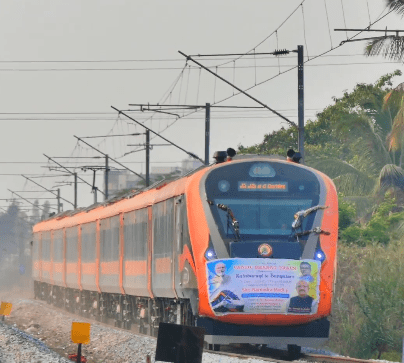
x=58 y=199
x=106 y=177
x=207 y=132
x=75 y=190
x=300 y=80
x=147 y=158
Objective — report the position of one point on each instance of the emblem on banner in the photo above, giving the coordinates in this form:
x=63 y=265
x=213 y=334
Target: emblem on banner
x=265 y=250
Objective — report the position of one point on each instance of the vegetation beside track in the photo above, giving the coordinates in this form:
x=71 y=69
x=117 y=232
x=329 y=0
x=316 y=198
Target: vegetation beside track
x=359 y=142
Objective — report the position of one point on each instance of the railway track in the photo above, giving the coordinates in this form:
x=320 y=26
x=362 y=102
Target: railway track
x=232 y=353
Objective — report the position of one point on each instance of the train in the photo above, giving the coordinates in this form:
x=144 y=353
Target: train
x=244 y=248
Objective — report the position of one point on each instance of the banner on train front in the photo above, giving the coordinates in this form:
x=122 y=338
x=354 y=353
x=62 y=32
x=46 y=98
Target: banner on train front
x=263 y=286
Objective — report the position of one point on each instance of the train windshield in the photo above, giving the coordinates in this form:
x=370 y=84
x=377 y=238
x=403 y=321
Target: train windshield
x=262 y=196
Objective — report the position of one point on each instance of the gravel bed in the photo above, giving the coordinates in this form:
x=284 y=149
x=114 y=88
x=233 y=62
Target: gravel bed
x=36 y=332
x=17 y=346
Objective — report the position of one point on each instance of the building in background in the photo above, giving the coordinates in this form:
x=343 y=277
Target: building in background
x=190 y=164
x=123 y=180
x=119 y=180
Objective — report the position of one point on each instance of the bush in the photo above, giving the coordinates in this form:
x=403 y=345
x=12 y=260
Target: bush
x=347 y=213
x=352 y=234
x=379 y=229
x=379 y=296
x=368 y=312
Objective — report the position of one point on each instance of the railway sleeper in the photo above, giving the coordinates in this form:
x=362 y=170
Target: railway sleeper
x=140 y=314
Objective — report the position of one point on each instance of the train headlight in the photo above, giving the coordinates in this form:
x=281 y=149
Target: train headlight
x=210 y=254
x=319 y=255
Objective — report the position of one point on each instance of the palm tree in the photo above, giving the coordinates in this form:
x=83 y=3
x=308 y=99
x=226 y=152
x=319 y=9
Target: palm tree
x=389 y=46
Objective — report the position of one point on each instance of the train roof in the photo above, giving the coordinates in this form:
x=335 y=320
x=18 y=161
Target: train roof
x=155 y=193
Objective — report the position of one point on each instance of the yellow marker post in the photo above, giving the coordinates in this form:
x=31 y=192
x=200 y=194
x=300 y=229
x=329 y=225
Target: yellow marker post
x=5 y=309
x=80 y=335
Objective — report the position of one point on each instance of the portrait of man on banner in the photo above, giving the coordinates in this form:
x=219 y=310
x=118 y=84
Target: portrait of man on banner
x=303 y=303
x=223 y=299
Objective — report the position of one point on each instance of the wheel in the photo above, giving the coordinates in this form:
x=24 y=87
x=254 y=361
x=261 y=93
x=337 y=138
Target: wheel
x=145 y=329
x=214 y=347
x=127 y=325
x=294 y=351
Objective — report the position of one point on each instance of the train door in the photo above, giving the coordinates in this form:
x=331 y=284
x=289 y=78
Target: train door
x=36 y=259
x=162 y=251
x=178 y=243
x=57 y=256
x=184 y=266
x=109 y=254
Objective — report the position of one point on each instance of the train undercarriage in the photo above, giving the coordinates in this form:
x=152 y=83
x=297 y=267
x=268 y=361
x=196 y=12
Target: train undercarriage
x=139 y=314
x=143 y=315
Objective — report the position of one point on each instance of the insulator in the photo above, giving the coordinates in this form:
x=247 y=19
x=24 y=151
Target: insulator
x=280 y=52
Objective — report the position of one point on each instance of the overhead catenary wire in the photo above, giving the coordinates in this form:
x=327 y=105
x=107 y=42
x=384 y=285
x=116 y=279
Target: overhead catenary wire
x=71 y=173
x=304 y=33
x=210 y=67
x=157 y=134
x=36 y=206
x=267 y=37
x=283 y=72
x=50 y=191
x=343 y=14
x=328 y=21
x=237 y=88
x=78 y=138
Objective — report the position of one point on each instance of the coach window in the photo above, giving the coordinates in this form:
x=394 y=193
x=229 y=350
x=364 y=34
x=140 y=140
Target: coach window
x=186 y=240
x=46 y=241
x=58 y=246
x=35 y=246
x=163 y=224
x=109 y=239
x=135 y=234
x=88 y=236
x=71 y=244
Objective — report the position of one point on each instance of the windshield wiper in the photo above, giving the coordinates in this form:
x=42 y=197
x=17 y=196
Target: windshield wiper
x=297 y=223
x=231 y=220
x=316 y=230
x=302 y=214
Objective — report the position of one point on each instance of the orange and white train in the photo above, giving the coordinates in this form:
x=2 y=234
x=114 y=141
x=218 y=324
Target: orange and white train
x=245 y=249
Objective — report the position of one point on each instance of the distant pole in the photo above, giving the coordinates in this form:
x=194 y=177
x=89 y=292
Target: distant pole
x=94 y=187
x=58 y=199
x=79 y=353
x=147 y=158
x=75 y=190
x=402 y=357
x=106 y=178
x=300 y=79
x=207 y=132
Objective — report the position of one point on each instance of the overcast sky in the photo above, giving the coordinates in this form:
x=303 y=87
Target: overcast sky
x=64 y=63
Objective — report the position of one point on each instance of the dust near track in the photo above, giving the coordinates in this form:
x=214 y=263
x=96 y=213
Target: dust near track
x=52 y=326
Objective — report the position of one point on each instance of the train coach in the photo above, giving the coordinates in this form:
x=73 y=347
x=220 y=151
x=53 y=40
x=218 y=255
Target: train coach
x=244 y=248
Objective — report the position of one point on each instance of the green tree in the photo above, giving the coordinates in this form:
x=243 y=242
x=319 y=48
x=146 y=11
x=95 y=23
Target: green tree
x=379 y=296
x=347 y=141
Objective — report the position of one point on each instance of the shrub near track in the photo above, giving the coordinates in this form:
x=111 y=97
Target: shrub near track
x=368 y=312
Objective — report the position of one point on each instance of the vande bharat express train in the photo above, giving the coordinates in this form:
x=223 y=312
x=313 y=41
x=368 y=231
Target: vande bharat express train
x=245 y=249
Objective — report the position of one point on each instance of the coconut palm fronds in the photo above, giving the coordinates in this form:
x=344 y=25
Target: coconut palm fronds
x=396 y=136
x=390 y=47
x=391 y=176
x=348 y=179
x=396 y=5
x=354 y=184
x=363 y=204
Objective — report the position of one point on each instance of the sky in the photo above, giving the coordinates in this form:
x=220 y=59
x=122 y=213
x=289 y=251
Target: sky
x=63 y=65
